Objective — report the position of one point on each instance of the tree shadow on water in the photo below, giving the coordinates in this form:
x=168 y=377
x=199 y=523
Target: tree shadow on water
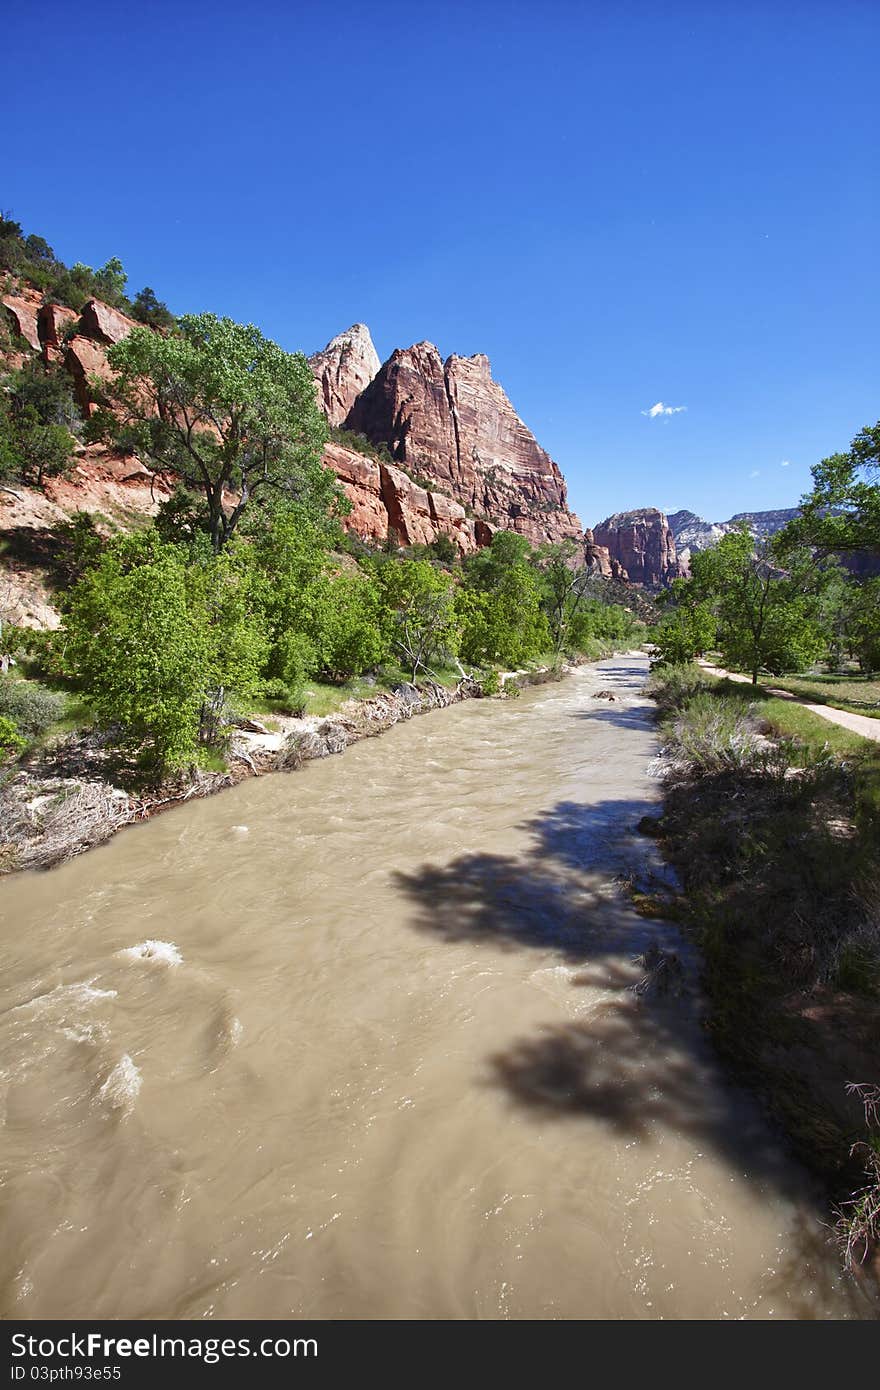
x=621 y=716
x=641 y=1067
x=638 y=1062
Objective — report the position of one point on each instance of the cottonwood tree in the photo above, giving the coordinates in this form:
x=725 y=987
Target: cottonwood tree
x=419 y=602
x=156 y=642
x=564 y=588
x=842 y=513
x=500 y=604
x=232 y=414
x=767 y=617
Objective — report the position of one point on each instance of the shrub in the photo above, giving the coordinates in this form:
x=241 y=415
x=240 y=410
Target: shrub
x=31 y=706
x=671 y=687
x=713 y=734
x=11 y=741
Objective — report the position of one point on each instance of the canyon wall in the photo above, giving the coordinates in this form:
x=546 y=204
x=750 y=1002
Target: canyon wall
x=642 y=544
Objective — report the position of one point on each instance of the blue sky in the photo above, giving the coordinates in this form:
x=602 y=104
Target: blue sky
x=622 y=204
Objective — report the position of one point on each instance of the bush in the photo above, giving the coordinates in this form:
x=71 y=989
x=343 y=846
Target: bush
x=672 y=687
x=32 y=707
x=713 y=734
x=11 y=741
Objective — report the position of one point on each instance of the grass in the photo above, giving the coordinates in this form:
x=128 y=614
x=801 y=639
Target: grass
x=777 y=846
x=852 y=692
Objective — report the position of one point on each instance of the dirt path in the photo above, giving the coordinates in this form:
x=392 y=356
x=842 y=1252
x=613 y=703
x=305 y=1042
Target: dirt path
x=861 y=724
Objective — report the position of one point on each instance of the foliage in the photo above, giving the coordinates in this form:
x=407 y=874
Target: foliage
x=713 y=735
x=225 y=409
x=500 y=604
x=842 y=513
x=341 y=616
x=565 y=591
x=360 y=444
x=420 y=611
x=32 y=258
x=684 y=631
x=766 y=617
x=154 y=641
x=11 y=741
x=776 y=850
x=861 y=623
x=31 y=706
x=672 y=686
x=149 y=309
x=36 y=417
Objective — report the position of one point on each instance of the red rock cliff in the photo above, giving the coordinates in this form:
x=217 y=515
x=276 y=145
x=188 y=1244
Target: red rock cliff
x=449 y=423
x=641 y=543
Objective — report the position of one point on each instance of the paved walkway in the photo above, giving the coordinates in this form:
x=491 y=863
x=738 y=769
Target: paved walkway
x=857 y=723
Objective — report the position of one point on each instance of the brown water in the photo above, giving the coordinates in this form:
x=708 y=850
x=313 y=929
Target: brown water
x=388 y=1062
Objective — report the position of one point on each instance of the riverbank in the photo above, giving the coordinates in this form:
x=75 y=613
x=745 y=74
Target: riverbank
x=770 y=822
x=68 y=798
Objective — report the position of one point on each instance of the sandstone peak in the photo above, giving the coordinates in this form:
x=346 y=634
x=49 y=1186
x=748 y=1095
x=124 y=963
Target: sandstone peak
x=343 y=369
x=453 y=425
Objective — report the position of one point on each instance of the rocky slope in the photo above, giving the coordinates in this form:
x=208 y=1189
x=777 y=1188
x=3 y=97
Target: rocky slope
x=457 y=460
x=642 y=545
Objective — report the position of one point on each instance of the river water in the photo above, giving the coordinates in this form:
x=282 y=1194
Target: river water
x=362 y=1041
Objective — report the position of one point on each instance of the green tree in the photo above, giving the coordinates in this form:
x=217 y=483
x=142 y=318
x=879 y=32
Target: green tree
x=419 y=603
x=767 y=617
x=342 y=617
x=148 y=308
x=157 y=643
x=861 y=623
x=842 y=513
x=500 y=604
x=31 y=450
x=110 y=282
x=232 y=414
x=575 y=613
x=684 y=631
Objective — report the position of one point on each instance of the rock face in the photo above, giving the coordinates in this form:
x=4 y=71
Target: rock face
x=449 y=423
x=598 y=559
x=21 y=313
x=84 y=359
x=642 y=544
x=53 y=321
x=467 y=464
x=385 y=501
x=692 y=533
x=343 y=370
x=104 y=323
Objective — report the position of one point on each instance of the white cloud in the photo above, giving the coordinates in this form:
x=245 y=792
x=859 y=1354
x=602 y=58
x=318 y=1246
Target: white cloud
x=755 y=473
x=786 y=463
x=661 y=409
